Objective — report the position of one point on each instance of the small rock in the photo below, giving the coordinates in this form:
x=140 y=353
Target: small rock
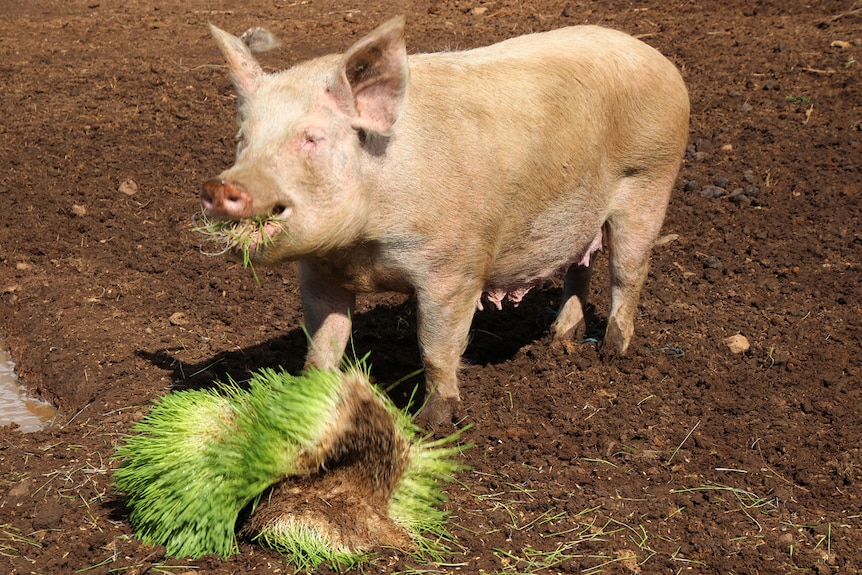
x=727 y=148
x=690 y=186
x=21 y=490
x=751 y=191
x=567 y=11
x=479 y=10
x=746 y=108
x=737 y=343
x=129 y=187
x=178 y=318
x=713 y=192
x=739 y=198
x=721 y=182
x=48 y=515
x=748 y=176
x=713 y=263
x=79 y=211
x=840 y=44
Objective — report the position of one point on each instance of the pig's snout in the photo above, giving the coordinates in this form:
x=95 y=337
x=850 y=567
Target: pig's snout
x=222 y=199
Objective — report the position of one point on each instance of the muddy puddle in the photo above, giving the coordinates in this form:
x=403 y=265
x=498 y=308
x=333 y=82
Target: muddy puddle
x=16 y=406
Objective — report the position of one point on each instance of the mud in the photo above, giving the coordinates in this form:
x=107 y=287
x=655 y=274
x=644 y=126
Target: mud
x=680 y=457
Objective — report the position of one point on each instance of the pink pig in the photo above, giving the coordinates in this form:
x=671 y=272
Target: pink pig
x=454 y=175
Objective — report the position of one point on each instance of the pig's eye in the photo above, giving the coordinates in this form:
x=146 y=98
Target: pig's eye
x=311 y=139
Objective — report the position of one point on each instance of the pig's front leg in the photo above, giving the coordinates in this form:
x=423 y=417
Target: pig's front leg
x=445 y=316
x=571 y=320
x=327 y=308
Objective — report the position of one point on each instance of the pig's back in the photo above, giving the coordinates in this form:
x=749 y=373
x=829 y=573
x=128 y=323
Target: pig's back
x=597 y=58
x=563 y=93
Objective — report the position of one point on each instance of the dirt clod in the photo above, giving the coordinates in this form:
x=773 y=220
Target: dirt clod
x=737 y=343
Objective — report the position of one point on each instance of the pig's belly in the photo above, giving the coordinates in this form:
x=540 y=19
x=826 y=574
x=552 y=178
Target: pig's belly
x=515 y=289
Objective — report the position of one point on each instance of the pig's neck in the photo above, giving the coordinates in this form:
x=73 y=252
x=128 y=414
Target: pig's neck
x=364 y=268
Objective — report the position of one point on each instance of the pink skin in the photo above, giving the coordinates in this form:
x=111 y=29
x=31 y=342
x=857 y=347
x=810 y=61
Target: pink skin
x=456 y=174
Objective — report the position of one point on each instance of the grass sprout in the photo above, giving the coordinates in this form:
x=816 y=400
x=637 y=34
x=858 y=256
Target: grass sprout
x=416 y=502
x=308 y=548
x=530 y=560
x=237 y=235
x=534 y=560
x=11 y=539
x=202 y=456
x=624 y=536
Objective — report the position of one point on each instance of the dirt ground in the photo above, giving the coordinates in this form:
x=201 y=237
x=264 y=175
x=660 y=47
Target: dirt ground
x=683 y=457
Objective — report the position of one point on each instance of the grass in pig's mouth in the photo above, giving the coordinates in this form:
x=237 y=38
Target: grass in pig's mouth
x=239 y=236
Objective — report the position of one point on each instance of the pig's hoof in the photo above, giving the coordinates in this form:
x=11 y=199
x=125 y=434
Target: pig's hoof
x=575 y=333
x=439 y=413
x=616 y=341
x=569 y=339
x=568 y=326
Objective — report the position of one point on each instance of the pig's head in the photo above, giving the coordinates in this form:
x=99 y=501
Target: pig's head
x=298 y=179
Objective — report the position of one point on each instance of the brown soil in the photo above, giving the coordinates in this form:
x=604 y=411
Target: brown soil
x=682 y=457
x=354 y=473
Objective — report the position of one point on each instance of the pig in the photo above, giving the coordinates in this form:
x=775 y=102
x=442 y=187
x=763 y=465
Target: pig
x=455 y=176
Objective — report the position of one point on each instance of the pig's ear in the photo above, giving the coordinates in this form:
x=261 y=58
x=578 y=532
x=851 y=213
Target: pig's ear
x=245 y=72
x=371 y=79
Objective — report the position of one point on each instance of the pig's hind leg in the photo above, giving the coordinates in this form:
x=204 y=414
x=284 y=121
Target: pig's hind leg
x=631 y=231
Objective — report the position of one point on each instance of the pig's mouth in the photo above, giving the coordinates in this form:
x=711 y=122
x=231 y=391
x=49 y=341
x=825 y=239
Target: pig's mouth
x=242 y=238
